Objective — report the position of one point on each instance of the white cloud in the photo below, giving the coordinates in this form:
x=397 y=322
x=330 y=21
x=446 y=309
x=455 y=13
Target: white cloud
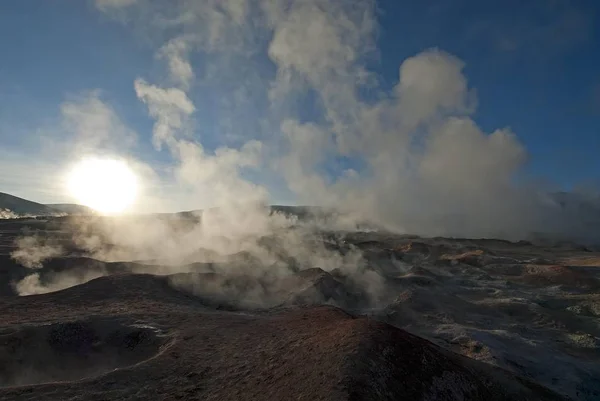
x=170 y=107
x=308 y=147
x=432 y=82
x=215 y=179
x=427 y=168
x=419 y=160
x=180 y=69
x=318 y=41
x=323 y=44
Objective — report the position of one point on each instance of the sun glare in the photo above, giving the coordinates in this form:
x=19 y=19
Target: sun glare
x=107 y=185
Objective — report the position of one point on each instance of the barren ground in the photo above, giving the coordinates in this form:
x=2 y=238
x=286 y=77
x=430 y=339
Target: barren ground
x=449 y=319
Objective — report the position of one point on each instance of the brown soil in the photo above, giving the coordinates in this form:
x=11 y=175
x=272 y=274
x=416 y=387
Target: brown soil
x=319 y=353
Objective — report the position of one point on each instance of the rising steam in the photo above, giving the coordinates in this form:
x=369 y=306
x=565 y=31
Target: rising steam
x=410 y=157
x=289 y=80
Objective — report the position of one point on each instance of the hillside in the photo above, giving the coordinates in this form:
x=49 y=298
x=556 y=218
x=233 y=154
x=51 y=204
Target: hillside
x=20 y=206
x=71 y=208
x=12 y=206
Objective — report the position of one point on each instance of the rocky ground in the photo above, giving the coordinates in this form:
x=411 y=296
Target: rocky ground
x=376 y=316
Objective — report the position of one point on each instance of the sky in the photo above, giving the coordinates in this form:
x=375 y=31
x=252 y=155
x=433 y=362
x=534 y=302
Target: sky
x=370 y=103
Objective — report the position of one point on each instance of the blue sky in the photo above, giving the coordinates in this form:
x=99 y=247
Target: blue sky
x=543 y=83
x=535 y=70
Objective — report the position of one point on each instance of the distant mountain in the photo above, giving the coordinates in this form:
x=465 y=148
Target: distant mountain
x=71 y=208
x=14 y=206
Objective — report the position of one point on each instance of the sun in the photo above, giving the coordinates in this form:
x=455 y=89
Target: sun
x=106 y=185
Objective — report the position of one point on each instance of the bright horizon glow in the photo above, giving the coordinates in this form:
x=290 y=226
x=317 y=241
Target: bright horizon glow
x=108 y=186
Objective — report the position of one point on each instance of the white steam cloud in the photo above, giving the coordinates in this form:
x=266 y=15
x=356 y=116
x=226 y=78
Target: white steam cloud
x=299 y=110
x=31 y=251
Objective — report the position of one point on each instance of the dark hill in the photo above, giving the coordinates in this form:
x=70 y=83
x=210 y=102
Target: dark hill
x=20 y=206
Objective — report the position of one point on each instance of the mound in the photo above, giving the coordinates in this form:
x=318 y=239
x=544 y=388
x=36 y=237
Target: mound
x=318 y=353
x=394 y=364
x=72 y=351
